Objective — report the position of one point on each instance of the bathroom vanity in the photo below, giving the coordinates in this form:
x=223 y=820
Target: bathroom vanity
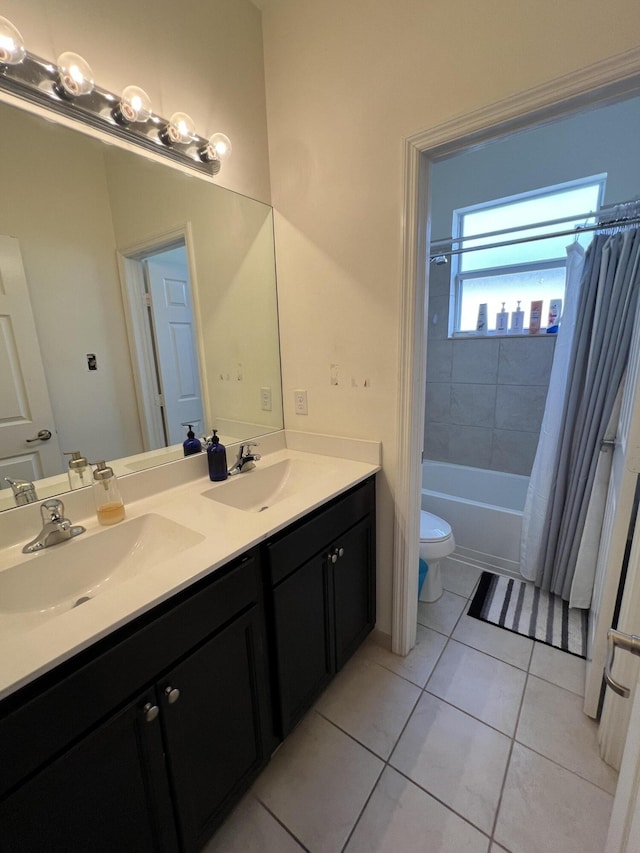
x=145 y=739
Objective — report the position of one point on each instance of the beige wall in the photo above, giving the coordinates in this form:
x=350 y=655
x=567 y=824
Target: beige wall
x=202 y=58
x=347 y=82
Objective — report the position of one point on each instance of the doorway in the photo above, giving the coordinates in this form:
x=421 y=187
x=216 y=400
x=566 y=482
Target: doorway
x=157 y=293
x=606 y=82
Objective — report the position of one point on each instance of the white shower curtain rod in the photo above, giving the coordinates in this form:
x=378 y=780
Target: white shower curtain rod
x=437 y=251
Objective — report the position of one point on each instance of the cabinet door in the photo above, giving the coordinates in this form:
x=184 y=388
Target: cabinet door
x=353 y=588
x=108 y=793
x=214 y=716
x=304 y=651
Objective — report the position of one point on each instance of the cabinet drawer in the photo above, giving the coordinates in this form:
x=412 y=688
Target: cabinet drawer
x=303 y=540
x=80 y=693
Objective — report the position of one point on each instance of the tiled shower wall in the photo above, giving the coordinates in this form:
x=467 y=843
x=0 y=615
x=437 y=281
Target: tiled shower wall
x=485 y=396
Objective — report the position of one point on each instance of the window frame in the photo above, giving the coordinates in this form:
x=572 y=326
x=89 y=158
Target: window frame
x=457 y=277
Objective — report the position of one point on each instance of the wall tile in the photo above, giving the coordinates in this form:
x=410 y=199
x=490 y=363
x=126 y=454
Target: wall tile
x=438 y=317
x=436 y=442
x=475 y=361
x=513 y=451
x=520 y=407
x=439 y=280
x=526 y=361
x=473 y=405
x=439 y=360
x=438 y=398
x=469 y=445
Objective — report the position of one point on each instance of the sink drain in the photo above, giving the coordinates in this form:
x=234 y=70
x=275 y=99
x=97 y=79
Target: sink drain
x=81 y=600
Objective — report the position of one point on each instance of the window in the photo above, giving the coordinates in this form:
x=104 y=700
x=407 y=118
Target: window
x=520 y=272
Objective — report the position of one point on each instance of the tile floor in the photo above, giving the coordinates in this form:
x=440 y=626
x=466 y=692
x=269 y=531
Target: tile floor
x=475 y=742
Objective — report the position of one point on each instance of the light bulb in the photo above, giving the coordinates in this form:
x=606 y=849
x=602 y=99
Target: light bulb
x=12 y=50
x=135 y=105
x=75 y=76
x=181 y=128
x=217 y=148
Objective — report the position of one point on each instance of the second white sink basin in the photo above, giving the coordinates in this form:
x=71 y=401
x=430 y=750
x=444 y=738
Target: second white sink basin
x=65 y=575
x=261 y=488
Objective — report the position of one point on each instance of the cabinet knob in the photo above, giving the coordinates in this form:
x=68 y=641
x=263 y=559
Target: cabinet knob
x=172 y=694
x=150 y=712
x=333 y=558
x=340 y=552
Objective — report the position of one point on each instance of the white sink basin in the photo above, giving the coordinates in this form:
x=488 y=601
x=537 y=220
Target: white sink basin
x=259 y=489
x=65 y=575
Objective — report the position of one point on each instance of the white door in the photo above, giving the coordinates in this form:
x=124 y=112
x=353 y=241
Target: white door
x=25 y=408
x=176 y=348
x=624 y=471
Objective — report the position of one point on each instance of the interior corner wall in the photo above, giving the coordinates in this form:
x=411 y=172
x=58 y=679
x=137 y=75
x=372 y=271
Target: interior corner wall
x=204 y=59
x=347 y=83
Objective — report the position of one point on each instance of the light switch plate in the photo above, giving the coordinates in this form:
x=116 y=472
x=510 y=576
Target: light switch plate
x=265 y=399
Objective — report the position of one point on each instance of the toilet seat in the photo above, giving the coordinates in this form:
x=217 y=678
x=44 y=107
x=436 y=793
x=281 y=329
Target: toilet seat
x=432 y=528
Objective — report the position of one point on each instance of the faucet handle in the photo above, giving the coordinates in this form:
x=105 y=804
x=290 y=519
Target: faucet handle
x=52 y=510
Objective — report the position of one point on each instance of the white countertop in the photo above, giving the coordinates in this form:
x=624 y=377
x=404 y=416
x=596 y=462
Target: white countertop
x=31 y=643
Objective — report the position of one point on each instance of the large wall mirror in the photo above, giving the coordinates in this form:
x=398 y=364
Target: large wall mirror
x=135 y=299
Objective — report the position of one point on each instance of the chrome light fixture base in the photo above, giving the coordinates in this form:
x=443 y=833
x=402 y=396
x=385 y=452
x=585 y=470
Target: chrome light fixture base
x=37 y=81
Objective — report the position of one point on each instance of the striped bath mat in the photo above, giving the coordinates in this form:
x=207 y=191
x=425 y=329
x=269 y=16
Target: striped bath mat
x=519 y=607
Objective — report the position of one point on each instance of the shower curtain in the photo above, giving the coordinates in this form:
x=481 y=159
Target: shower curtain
x=583 y=389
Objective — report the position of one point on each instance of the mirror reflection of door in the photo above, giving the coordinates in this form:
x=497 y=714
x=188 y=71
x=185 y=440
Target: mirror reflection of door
x=25 y=408
x=174 y=340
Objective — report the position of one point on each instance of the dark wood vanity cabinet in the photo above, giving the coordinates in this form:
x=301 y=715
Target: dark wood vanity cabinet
x=322 y=577
x=145 y=741
x=159 y=771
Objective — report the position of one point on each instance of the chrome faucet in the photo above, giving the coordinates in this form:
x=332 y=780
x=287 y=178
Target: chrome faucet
x=246 y=459
x=55 y=527
x=24 y=492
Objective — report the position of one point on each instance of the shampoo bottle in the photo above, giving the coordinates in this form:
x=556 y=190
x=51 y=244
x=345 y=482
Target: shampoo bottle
x=109 y=503
x=535 y=317
x=481 y=326
x=216 y=459
x=517 y=320
x=555 y=310
x=502 y=321
x=191 y=444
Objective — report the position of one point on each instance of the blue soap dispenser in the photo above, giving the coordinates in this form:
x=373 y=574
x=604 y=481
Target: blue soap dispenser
x=191 y=444
x=217 y=458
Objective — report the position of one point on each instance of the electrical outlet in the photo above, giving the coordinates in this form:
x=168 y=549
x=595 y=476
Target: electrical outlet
x=300 y=402
x=265 y=399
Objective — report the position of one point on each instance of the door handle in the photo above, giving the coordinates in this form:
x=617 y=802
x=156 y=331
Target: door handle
x=627 y=642
x=43 y=435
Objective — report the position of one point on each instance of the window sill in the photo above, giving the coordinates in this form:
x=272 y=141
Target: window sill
x=478 y=336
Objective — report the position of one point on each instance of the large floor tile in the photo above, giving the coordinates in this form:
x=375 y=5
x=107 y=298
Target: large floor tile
x=441 y=615
x=485 y=687
x=559 y=668
x=370 y=703
x=418 y=665
x=400 y=818
x=552 y=722
x=459 y=577
x=509 y=647
x=251 y=829
x=318 y=782
x=545 y=808
x=456 y=758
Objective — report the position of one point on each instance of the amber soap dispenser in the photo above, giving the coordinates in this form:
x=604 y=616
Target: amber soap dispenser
x=109 y=503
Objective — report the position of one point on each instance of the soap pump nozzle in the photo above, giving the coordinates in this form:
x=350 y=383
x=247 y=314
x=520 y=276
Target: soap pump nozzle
x=109 y=503
x=79 y=469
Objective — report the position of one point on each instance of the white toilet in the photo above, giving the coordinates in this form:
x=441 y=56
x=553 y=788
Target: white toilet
x=436 y=542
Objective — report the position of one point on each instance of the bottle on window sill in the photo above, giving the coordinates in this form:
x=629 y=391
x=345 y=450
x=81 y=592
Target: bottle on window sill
x=517 y=320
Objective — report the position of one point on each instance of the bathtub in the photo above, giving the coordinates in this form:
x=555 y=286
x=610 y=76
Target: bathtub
x=484 y=509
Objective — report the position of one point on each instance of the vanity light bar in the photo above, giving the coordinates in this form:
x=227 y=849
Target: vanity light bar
x=128 y=117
